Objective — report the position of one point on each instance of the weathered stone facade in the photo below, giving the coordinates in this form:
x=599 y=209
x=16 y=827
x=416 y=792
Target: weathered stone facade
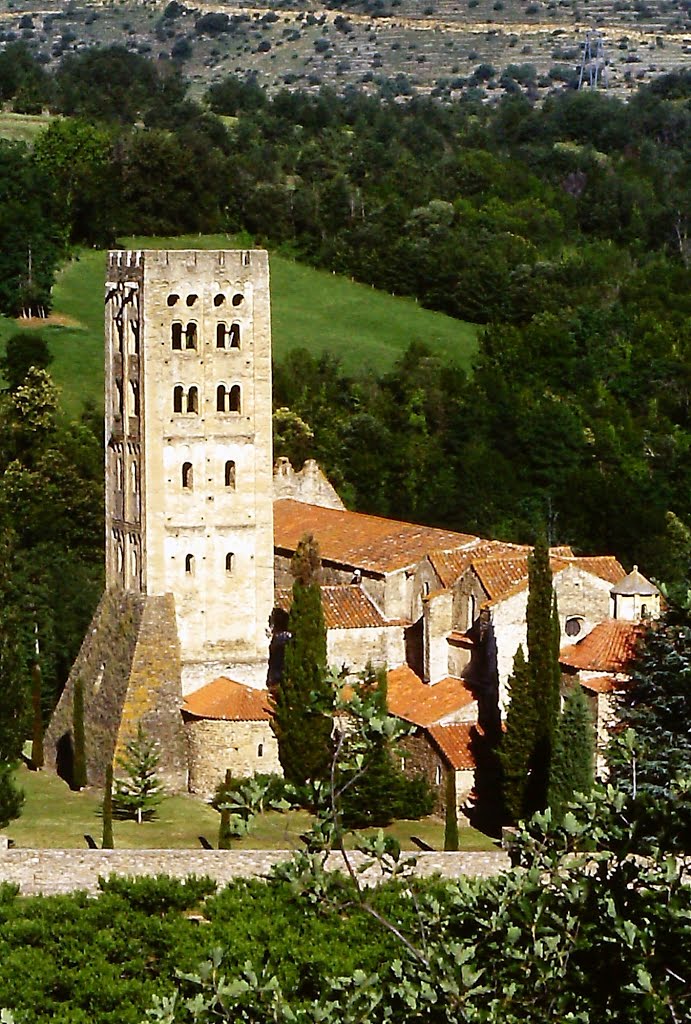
x=308 y=484
x=189 y=475
x=247 y=748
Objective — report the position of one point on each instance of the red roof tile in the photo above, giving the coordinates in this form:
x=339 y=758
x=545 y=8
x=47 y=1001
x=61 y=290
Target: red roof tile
x=360 y=541
x=503 y=575
x=345 y=607
x=411 y=699
x=609 y=647
x=602 y=684
x=229 y=701
x=450 y=565
x=455 y=743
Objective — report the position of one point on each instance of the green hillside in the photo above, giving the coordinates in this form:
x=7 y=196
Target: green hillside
x=312 y=309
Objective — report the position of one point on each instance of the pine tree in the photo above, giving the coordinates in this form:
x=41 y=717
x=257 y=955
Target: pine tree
x=518 y=742
x=138 y=795
x=107 y=840
x=573 y=754
x=304 y=698
x=79 y=779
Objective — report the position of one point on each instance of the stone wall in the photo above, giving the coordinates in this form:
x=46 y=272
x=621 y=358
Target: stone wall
x=247 y=748
x=308 y=485
x=50 y=872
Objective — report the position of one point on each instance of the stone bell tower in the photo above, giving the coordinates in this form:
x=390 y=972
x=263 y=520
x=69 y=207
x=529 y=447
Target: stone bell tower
x=189 y=509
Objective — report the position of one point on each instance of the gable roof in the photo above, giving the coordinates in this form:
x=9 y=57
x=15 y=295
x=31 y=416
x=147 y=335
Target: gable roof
x=355 y=540
x=450 y=565
x=503 y=575
x=602 y=684
x=609 y=647
x=409 y=698
x=228 y=701
x=455 y=742
x=345 y=607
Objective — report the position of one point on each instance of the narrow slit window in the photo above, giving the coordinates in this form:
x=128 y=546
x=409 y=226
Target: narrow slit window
x=118 y=474
x=235 y=398
x=118 y=398
x=221 y=399
x=134 y=337
x=177 y=398
x=260 y=750
x=189 y=565
x=230 y=561
x=193 y=400
x=134 y=398
x=187 y=475
x=176 y=335
x=191 y=335
x=221 y=335
x=234 y=335
x=230 y=475
x=134 y=474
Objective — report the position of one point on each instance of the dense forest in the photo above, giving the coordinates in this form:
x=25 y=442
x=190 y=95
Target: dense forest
x=561 y=228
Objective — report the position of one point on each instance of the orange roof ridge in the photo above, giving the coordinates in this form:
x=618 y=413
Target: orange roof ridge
x=345 y=605
x=411 y=699
x=609 y=647
x=456 y=743
x=228 y=701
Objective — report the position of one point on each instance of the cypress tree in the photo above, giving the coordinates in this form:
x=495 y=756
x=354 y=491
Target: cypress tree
x=518 y=741
x=37 y=759
x=224 y=825
x=14 y=688
x=573 y=753
x=107 y=841
x=450 y=813
x=304 y=698
x=79 y=764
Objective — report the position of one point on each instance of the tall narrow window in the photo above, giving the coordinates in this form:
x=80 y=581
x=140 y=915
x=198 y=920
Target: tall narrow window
x=260 y=750
x=187 y=475
x=234 y=335
x=193 y=400
x=191 y=335
x=189 y=565
x=177 y=398
x=119 y=474
x=221 y=399
x=220 y=335
x=134 y=337
x=118 y=398
x=230 y=561
x=134 y=398
x=235 y=398
x=134 y=474
x=176 y=335
x=230 y=475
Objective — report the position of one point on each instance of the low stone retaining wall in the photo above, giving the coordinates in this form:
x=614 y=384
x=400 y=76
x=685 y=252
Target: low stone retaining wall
x=50 y=872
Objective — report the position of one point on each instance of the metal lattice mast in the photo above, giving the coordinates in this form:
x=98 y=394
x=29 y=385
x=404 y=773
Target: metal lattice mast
x=593 y=70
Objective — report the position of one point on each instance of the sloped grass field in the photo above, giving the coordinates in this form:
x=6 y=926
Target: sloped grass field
x=311 y=309
x=54 y=817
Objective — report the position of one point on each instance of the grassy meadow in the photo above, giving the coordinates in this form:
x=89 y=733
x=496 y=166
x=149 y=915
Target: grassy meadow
x=311 y=309
x=22 y=127
x=55 y=817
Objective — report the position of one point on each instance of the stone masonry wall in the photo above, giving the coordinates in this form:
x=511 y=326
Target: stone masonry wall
x=51 y=872
x=216 y=745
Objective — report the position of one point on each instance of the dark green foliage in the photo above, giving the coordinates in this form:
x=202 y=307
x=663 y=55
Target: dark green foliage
x=224 y=836
x=450 y=812
x=29 y=348
x=531 y=723
x=11 y=796
x=304 y=698
x=573 y=753
x=137 y=791
x=159 y=894
x=655 y=757
x=107 y=842
x=79 y=778
x=37 y=759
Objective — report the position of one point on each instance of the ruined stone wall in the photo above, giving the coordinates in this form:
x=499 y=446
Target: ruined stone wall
x=308 y=485
x=247 y=748
x=49 y=872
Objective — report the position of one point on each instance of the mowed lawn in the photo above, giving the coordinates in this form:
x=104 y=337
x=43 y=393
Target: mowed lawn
x=311 y=309
x=55 y=817
x=22 y=127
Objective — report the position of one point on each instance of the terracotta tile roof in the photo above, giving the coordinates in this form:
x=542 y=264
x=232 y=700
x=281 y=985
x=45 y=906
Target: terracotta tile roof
x=503 y=575
x=360 y=541
x=450 y=565
x=411 y=699
x=345 y=607
x=229 y=701
x=609 y=647
x=455 y=743
x=602 y=684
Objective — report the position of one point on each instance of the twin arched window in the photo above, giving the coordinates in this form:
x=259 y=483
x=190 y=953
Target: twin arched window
x=185 y=403
x=228 y=337
x=228 y=399
x=183 y=336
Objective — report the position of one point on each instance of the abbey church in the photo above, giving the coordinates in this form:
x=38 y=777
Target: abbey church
x=200 y=530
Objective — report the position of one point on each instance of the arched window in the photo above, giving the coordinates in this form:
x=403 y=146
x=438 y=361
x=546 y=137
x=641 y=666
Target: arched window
x=220 y=335
x=191 y=299
x=260 y=750
x=187 y=475
x=189 y=565
x=134 y=337
x=238 y=299
x=172 y=299
x=133 y=562
x=118 y=398
x=235 y=398
x=119 y=474
x=230 y=474
x=437 y=775
x=176 y=335
x=219 y=299
x=234 y=335
x=178 y=392
x=193 y=400
x=221 y=398
x=134 y=398
x=191 y=335
x=230 y=561
x=120 y=554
